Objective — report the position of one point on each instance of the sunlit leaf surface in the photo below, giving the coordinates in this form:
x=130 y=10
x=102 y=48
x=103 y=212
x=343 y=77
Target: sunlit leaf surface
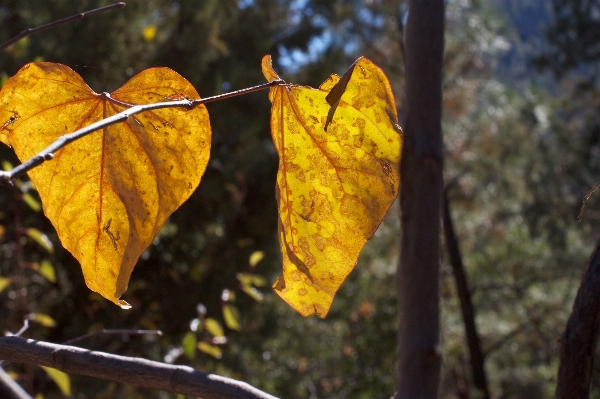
x=231 y=315
x=109 y=193
x=189 y=344
x=209 y=349
x=61 y=379
x=4 y=282
x=213 y=327
x=43 y=319
x=333 y=187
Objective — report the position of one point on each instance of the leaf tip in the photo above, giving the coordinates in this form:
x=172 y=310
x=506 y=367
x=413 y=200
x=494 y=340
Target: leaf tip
x=123 y=304
x=267 y=69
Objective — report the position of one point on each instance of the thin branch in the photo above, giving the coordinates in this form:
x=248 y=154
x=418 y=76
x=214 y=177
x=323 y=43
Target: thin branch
x=76 y=17
x=466 y=304
x=129 y=370
x=9 y=389
x=105 y=331
x=48 y=153
x=585 y=200
x=23 y=329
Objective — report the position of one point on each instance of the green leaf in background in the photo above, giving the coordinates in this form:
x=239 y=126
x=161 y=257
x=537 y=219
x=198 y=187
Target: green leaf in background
x=209 y=349
x=61 y=379
x=253 y=293
x=47 y=270
x=251 y=279
x=213 y=327
x=41 y=318
x=41 y=239
x=32 y=202
x=231 y=315
x=189 y=345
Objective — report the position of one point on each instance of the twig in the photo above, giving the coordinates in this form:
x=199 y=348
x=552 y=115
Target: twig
x=23 y=329
x=9 y=389
x=115 y=332
x=76 y=17
x=48 y=153
x=135 y=371
x=585 y=200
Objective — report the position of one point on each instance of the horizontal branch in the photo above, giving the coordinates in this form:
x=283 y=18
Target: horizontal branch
x=129 y=370
x=48 y=153
x=76 y=17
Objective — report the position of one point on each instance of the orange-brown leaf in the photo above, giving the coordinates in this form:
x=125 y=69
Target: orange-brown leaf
x=333 y=187
x=108 y=193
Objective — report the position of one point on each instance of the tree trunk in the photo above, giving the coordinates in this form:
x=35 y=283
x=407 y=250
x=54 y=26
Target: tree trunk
x=419 y=350
x=579 y=341
x=466 y=306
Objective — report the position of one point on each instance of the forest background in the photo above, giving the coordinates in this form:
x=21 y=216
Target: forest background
x=522 y=147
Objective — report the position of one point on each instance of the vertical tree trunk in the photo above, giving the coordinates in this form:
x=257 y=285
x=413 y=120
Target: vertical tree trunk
x=419 y=351
x=466 y=306
x=579 y=341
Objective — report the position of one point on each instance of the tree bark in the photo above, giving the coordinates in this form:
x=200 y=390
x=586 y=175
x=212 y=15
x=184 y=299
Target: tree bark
x=135 y=371
x=580 y=338
x=466 y=306
x=419 y=350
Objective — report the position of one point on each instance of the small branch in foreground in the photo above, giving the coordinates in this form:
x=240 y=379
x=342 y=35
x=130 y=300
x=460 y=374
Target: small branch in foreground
x=9 y=389
x=105 y=331
x=129 y=370
x=76 y=17
x=48 y=153
x=585 y=200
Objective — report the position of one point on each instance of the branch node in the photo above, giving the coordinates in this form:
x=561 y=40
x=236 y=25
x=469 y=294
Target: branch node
x=5 y=179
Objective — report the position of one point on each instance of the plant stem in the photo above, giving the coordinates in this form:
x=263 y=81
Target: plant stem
x=76 y=17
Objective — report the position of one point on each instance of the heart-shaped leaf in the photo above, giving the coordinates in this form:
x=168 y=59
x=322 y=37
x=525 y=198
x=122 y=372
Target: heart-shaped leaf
x=338 y=176
x=108 y=193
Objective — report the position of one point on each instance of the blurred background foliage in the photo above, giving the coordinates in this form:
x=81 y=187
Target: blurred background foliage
x=522 y=136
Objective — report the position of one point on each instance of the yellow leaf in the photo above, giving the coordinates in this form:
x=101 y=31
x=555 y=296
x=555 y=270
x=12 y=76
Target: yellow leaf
x=209 y=349
x=41 y=238
x=231 y=316
x=256 y=257
x=109 y=193
x=213 y=327
x=4 y=282
x=61 y=379
x=41 y=318
x=333 y=187
x=149 y=32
